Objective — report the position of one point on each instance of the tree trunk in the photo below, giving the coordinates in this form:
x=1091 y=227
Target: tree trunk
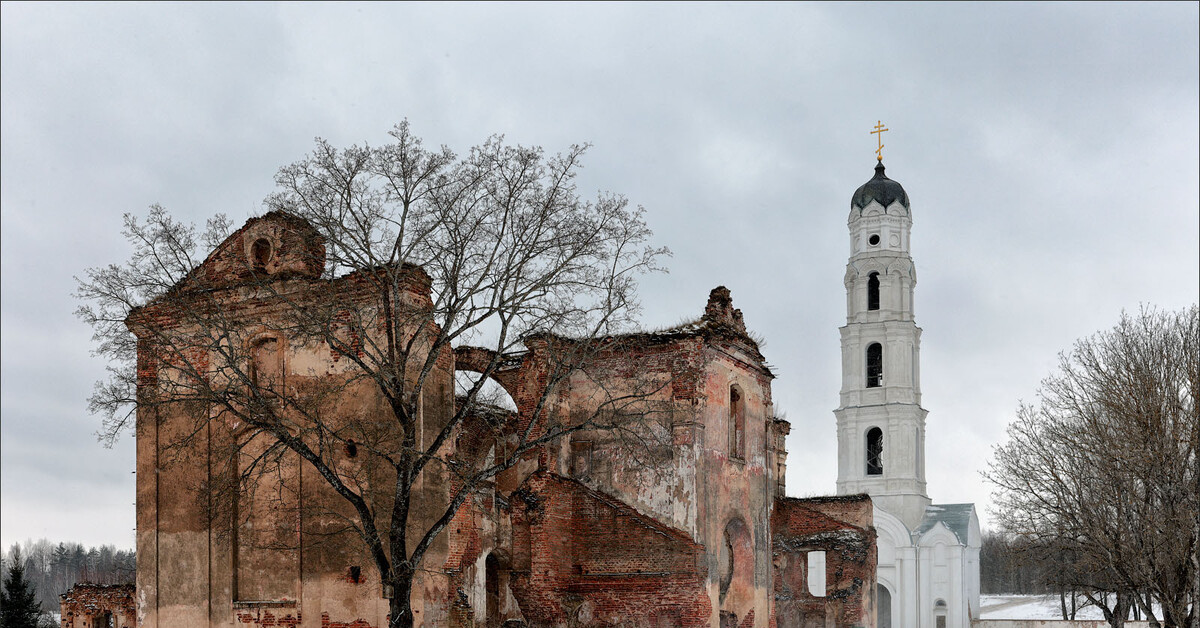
x=1120 y=611
x=400 y=607
x=1193 y=618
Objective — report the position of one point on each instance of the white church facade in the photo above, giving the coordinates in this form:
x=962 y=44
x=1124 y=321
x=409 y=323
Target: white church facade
x=928 y=562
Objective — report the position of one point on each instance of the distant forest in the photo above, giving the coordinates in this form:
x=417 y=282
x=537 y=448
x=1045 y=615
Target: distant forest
x=55 y=568
x=1009 y=566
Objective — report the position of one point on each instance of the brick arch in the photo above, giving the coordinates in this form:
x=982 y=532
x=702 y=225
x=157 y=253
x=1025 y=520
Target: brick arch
x=477 y=359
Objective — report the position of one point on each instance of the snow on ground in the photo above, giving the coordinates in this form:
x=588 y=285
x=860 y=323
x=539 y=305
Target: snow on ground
x=1029 y=607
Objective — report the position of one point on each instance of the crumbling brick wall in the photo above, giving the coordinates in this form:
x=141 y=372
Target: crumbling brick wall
x=841 y=527
x=99 y=606
x=583 y=559
x=644 y=535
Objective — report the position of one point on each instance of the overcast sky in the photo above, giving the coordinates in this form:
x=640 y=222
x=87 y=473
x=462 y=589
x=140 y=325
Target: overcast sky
x=1049 y=151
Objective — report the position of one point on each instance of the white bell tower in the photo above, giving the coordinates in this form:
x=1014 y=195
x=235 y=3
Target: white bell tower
x=881 y=424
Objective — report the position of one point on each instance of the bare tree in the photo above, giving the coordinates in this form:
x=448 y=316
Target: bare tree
x=416 y=253
x=1104 y=468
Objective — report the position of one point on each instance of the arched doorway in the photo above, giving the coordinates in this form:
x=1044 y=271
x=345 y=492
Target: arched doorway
x=883 y=607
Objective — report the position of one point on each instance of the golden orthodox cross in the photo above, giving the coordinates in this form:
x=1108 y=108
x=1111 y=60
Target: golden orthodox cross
x=878 y=132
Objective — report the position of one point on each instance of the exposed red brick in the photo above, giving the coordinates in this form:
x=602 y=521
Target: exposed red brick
x=840 y=527
x=86 y=604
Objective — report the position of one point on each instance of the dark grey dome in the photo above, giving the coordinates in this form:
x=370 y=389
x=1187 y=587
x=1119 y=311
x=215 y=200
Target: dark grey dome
x=879 y=188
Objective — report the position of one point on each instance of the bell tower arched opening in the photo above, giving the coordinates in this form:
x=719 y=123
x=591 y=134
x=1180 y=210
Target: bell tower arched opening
x=874 y=365
x=875 y=451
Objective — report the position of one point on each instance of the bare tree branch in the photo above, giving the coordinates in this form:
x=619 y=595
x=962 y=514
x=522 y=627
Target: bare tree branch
x=1102 y=473
x=329 y=341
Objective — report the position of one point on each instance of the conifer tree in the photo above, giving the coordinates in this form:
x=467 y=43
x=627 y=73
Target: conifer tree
x=18 y=600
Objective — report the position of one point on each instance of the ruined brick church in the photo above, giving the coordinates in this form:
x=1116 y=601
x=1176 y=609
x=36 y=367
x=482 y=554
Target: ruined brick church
x=700 y=533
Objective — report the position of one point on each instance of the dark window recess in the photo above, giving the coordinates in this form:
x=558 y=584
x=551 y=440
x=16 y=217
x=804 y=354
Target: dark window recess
x=265 y=364
x=350 y=449
x=491 y=586
x=875 y=365
x=875 y=451
x=354 y=574
x=737 y=424
x=873 y=291
x=873 y=240
x=261 y=252
x=581 y=459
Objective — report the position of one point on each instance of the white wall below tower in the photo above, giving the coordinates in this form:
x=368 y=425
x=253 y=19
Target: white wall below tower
x=921 y=569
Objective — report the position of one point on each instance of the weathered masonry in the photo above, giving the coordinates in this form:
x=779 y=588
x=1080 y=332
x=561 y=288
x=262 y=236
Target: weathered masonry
x=685 y=525
x=99 y=606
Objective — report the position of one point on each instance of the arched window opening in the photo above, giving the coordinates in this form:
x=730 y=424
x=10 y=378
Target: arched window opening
x=737 y=424
x=490 y=392
x=873 y=291
x=261 y=253
x=266 y=364
x=874 y=365
x=581 y=459
x=939 y=612
x=874 y=451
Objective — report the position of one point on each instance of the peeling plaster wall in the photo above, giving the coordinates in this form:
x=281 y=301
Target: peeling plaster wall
x=657 y=473
x=736 y=489
x=192 y=569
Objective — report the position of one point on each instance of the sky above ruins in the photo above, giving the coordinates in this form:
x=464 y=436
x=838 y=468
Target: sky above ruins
x=1049 y=151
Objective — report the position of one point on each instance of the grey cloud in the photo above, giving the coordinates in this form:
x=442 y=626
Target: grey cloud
x=1050 y=152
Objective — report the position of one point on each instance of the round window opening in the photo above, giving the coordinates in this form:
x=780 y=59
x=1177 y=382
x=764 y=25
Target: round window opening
x=261 y=252
x=873 y=240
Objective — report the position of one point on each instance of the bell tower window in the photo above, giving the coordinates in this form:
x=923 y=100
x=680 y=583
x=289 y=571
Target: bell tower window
x=874 y=365
x=874 y=451
x=873 y=291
